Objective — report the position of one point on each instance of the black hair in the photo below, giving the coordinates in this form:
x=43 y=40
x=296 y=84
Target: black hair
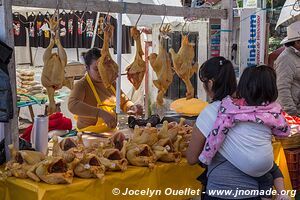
x=90 y=55
x=221 y=72
x=290 y=44
x=257 y=85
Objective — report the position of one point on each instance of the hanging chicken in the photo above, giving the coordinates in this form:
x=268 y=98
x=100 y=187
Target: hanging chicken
x=107 y=67
x=53 y=75
x=137 y=69
x=161 y=65
x=183 y=66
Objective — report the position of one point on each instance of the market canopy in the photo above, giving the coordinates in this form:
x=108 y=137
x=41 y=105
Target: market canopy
x=289 y=13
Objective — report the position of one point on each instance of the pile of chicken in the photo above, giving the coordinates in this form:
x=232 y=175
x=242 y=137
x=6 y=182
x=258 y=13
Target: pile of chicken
x=70 y=157
x=53 y=75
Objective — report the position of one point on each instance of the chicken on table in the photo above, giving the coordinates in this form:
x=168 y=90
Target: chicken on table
x=70 y=157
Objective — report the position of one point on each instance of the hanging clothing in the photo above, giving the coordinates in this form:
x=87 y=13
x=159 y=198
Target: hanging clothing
x=63 y=25
x=71 y=30
x=90 y=21
x=87 y=98
x=80 y=28
x=232 y=112
x=38 y=25
x=19 y=27
x=46 y=33
x=32 y=30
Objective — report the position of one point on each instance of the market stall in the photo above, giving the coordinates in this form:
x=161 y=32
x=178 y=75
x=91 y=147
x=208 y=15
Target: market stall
x=141 y=152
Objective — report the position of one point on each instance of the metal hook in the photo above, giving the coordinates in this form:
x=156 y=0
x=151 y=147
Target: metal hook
x=164 y=16
x=183 y=26
x=105 y=19
x=141 y=9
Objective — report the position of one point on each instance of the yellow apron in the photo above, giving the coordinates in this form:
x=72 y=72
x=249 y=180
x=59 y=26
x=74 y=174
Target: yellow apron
x=100 y=126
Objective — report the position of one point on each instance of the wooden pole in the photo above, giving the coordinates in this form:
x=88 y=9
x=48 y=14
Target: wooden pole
x=124 y=7
x=6 y=35
x=226 y=30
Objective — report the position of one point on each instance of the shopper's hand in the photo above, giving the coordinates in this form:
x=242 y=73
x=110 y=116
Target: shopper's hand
x=136 y=110
x=109 y=118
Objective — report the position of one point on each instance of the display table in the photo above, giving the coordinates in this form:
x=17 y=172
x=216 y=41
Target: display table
x=164 y=175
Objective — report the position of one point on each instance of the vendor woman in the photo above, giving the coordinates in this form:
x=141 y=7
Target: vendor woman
x=94 y=105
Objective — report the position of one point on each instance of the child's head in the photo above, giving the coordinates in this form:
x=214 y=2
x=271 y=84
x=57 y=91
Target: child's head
x=257 y=85
x=218 y=77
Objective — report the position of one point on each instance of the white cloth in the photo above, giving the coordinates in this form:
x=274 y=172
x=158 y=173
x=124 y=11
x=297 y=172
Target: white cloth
x=247 y=145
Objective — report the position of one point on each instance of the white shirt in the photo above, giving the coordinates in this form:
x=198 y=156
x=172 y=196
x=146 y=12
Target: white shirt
x=248 y=146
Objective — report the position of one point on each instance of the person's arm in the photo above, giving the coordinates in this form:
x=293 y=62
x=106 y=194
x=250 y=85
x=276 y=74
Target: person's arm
x=285 y=77
x=195 y=147
x=76 y=104
x=125 y=102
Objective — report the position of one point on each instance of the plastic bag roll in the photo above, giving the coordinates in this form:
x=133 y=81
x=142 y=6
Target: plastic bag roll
x=39 y=134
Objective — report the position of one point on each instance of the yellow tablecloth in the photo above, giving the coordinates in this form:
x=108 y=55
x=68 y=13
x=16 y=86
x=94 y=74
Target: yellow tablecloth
x=163 y=176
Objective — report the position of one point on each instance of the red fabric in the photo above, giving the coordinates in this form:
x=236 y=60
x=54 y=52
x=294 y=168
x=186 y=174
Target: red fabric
x=56 y=122
x=291 y=119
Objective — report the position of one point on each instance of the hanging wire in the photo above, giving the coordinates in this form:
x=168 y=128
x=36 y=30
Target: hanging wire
x=142 y=10
x=107 y=15
x=164 y=17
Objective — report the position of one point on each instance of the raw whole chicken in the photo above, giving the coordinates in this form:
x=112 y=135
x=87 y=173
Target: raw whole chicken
x=147 y=135
x=113 y=159
x=141 y=155
x=90 y=167
x=21 y=162
x=53 y=75
x=107 y=67
x=161 y=64
x=54 y=170
x=183 y=66
x=173 y=154
x=68 y=148
x=136 y=71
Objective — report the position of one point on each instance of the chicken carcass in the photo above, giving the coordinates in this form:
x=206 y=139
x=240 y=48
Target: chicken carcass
x=68 y=148
x=113 y=159
x=107 y=67
x=147 y=135
x=54 y=170
x=137 y=69
x=183 y=66
x=140 y=155
x=173 y=154
x=22 y=161
x=90 y=167
x=161 y=64
x=53 y=75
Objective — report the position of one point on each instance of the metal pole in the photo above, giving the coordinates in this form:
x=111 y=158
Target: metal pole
x=119 y=60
